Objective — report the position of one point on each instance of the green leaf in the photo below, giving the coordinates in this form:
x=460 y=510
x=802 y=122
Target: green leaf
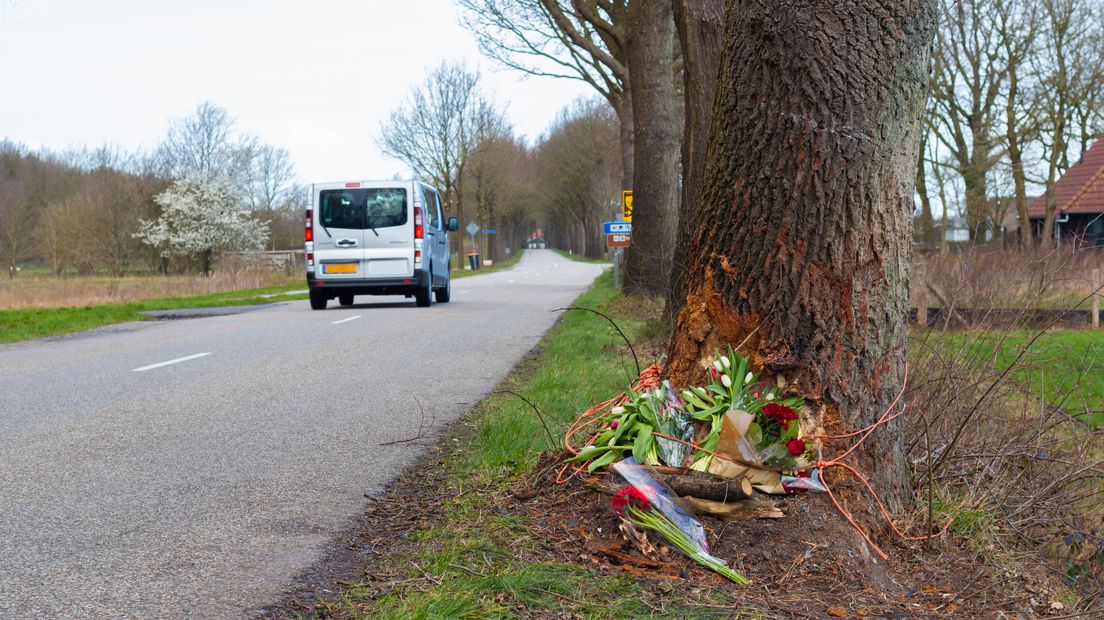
x=588 y=453
x=626 y=422
x=643 y=443
x=606 y=459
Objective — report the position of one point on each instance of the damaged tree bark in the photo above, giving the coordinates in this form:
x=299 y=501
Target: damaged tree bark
x=803 y=235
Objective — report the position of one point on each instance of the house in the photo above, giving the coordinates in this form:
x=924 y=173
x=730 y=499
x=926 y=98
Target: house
x=1079 y=201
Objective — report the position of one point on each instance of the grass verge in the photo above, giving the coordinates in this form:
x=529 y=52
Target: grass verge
x=28 y=323
x=476 y=554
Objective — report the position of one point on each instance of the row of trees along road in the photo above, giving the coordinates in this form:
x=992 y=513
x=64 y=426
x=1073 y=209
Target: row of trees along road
x=1017 y=96
x=204 y=190
x=451 y=133
x=801 y=125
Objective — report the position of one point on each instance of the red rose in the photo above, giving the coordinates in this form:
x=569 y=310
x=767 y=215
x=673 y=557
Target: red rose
x=629 y=496
x=781 y=413
x=796 y=447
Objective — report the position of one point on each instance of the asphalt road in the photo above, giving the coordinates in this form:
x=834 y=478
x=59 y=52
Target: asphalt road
x=135 y=487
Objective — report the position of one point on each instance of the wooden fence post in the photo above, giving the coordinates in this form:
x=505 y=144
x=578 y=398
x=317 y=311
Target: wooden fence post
x=1096 y=299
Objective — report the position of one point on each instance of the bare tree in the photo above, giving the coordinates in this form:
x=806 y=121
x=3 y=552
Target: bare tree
x=578 y=173
x=437 y=127
x=271 y=178
x=1070 y=77
x=1017 y=24
x=206 y=143
x=568 y=39
x=970 y=71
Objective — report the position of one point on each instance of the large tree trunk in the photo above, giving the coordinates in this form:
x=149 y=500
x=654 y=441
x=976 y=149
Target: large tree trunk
x=803 y=236
x=655 y=146
x=700 y=25
x=625 y=126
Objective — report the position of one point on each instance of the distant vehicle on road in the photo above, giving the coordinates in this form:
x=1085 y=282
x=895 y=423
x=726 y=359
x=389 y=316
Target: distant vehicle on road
x=377 y=238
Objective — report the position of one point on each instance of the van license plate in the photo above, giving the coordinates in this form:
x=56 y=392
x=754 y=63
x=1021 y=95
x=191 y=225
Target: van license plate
x=344 y=268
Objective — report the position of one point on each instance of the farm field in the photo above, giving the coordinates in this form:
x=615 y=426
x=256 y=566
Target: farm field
x=1064 y=368
x=31 y=290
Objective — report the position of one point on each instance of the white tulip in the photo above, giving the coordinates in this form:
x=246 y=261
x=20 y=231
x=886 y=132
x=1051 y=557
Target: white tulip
x=770 y=395
x=617 y=410
x=727 y=363
x=726 y=381
x=717 y=366
x=748 y=377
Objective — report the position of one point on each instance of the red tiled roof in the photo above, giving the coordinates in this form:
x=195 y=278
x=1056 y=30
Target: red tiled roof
x=1081 y=188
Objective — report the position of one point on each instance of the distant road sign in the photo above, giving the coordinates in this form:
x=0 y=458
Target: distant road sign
x=618 y=241
x=627 y=204
x=611 y=228
x=490 y=231
x=472 y=228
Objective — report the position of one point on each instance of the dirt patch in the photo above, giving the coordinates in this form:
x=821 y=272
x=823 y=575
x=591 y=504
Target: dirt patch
x=811 y=563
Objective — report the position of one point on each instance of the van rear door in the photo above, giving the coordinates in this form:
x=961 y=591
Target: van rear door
x=339 y=234
x=389 y=230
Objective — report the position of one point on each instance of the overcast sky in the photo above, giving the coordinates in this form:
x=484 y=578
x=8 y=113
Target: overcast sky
x=316 y=77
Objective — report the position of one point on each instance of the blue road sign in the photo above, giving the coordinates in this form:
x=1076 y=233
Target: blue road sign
x=617 y=228
x=490 y=231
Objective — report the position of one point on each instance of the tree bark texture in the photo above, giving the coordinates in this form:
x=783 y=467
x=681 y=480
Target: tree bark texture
x=625 y=126
x=700 y=25
x=803 y=237
x=655 y=145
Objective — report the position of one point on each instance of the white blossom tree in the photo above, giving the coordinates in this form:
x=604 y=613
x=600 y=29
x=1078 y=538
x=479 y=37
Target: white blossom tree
x=202 y=216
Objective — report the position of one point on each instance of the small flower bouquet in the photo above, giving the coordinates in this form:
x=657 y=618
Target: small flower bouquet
x=647 y=504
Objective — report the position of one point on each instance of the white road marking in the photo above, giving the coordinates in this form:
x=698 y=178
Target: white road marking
x=352 y=318
x=463 y=292
x=512 y=281
x=175 y=361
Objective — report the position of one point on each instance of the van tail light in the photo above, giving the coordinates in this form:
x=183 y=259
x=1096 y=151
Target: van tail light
x=309 y=231
x=417 y=257
x=419 y=228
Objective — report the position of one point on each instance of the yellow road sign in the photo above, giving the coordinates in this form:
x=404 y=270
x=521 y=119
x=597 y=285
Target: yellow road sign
x=627 y=204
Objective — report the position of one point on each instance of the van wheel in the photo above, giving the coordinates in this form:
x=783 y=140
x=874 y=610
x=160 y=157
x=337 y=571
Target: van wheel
x=318 y=300
x=424 y=297
x=345 y=299
x=444 y=294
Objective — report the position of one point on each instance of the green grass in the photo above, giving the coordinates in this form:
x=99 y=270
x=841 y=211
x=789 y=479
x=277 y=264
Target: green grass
x=28 y=323
x=476 y=549
x=500 y=266
x=1065 y=368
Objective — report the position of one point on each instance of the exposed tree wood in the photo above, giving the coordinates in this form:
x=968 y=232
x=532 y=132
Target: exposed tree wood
x=803 y=239
x=708 y=486
x=700 y=25
x=735 y=511
x=650 y=52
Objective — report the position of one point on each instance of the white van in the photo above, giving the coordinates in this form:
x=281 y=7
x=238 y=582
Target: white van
x=377 y=238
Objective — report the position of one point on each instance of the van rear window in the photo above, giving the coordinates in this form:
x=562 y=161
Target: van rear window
x=362 y=208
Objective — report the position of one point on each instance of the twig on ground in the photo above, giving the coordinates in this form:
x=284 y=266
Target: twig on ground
x=615 y=326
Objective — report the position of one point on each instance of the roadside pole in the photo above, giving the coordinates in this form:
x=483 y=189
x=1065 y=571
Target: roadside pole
x=616 y=269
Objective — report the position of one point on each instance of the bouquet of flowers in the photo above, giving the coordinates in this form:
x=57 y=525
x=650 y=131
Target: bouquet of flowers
x=646 y=504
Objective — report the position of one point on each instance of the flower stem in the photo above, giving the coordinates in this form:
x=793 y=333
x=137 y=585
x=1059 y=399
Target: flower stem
x=658 y=522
